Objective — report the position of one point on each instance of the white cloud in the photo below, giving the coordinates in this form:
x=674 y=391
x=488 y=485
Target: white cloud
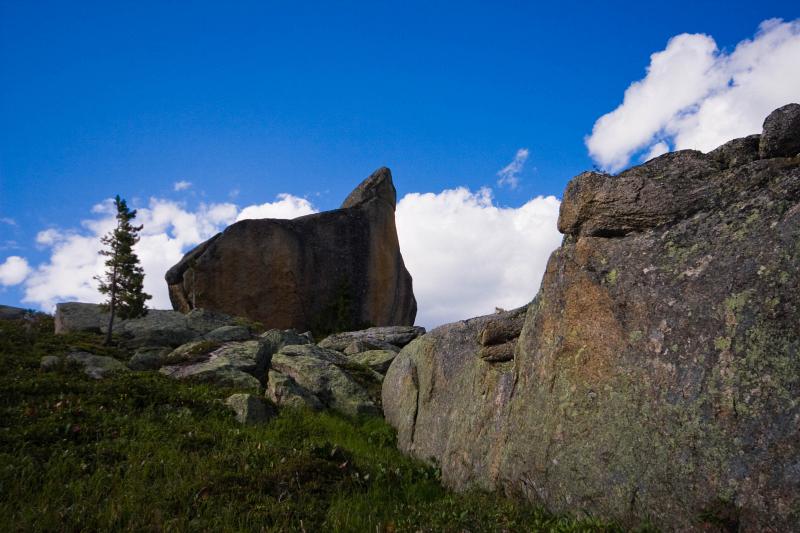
x=8 y=220
x=182 y=185
x=13 y=271
x=169 y=231
x=468 y=256
x=660 y=148
x=695 y=96
x=286 y=206
x=509 y=175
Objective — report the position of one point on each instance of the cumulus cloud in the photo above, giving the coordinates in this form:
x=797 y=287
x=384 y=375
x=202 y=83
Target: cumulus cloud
x=170 y=229
x=697 y=96
x=286 y=206
x=509 y=175
x=13 y=271
x=468 y=255
x=181 y=185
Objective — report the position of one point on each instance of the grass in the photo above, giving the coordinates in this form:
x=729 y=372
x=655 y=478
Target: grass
x=142 y=452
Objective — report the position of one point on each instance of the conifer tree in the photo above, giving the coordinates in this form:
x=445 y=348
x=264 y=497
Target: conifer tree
x=123 y=279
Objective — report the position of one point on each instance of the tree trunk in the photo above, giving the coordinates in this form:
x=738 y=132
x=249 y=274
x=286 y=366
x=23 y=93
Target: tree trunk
x=113 y=307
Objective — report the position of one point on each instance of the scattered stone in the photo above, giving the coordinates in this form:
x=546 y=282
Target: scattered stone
x=50 y=363
x=190 y=352
x=215 y=371
x=396 y=335
x=229 y=334
x=96 y=366
x=285 y=392
x=235 y=364
x=149 y=358
x=330 y=384
x=311 y=350
x=298 y=273
x=277 y=339
x=250 y=409
x=365 y=345
x=377 y=360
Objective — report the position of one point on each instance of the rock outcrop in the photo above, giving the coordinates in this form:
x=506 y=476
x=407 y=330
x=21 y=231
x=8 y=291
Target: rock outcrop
x=656 y=376
x=328 y=271
x=157 y=328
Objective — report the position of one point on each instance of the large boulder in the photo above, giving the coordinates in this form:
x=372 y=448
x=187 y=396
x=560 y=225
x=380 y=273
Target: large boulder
x=657 y=374
x=328 y=271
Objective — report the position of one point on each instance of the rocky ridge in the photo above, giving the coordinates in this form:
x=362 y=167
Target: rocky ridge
x=656 y=375
x=284 y=366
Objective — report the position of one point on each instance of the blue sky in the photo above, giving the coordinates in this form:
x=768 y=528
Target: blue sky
x=251 y=100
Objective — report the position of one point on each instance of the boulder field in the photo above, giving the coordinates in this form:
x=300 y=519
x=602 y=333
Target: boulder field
x=656 y=375
x=329 y=271
x=342 y=373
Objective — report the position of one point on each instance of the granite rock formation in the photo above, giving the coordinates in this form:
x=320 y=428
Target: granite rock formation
x=656 y=375
x=329 y=271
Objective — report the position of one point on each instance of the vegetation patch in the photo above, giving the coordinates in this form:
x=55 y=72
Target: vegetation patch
x=141 y=452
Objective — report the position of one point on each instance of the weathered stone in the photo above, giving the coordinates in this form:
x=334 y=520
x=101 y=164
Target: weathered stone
x=328 y=270
x=285 y=392
x=190 y=352
x=664 y=189
x=365 y=345
x=235 y=364
x=50 y=363
x=229 y=334
x=377 y=360
x=250 y=409
x=157 y=328
x=13 y=313
x=204 y=321
x=657 y=373
x=96 y=366
x=781 y=135
x=148 y=358
x=217 y=371
x=329 y=383
x=397 y=335
x=277 y=339
x=311 y=350
x=737 y=152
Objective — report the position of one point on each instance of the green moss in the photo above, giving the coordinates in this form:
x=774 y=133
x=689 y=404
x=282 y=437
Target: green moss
x=612 y=276
x=722 y=343
x=635 y=336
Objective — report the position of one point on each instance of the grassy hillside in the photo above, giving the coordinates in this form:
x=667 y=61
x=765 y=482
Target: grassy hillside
x=141 y=452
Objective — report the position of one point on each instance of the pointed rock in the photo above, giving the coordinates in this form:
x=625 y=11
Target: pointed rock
x=324 y=272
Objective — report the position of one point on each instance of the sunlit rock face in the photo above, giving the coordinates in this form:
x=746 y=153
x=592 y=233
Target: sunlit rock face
x=656 y=376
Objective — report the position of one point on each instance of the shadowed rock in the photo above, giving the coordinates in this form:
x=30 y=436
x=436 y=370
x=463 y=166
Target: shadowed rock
x=334 y=270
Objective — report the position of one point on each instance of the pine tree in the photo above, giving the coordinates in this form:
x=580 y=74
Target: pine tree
x=123 y=279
